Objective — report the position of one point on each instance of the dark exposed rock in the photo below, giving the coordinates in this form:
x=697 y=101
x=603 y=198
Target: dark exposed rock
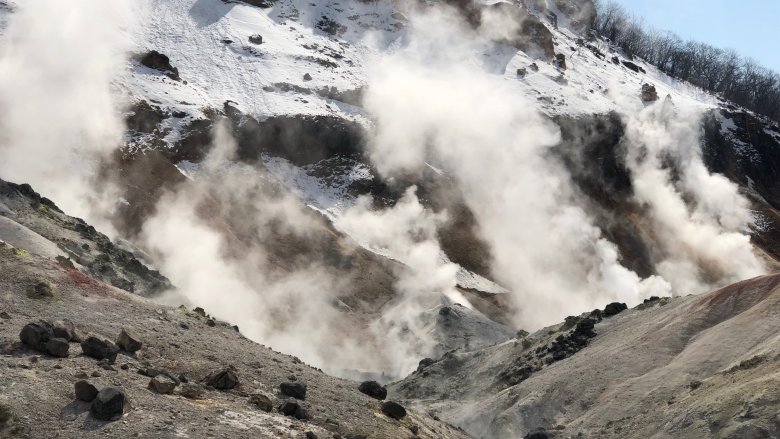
x=256 y=39
x=99 y=347
x=373 y=389
x=521 y=72
x=533 y=67
x=128 y=341
x=224 y=379
x=633 y=67
x=537 y=435
x=307 y=77
x=292 y=408
x=560 y=61
x=158 y=61
x=261 y=401
x=85 y=391
x=162 y=384
x=35 y=335
x=311 y=435
x=393 y=410
x=294 y=389
x=57 y=347
x=425 y=362
x=109 y=404
x=614 y=308
x=648 y=93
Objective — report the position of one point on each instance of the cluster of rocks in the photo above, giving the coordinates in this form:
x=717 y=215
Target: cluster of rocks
x=160 y=62
x=108 y=404
x=49 y=338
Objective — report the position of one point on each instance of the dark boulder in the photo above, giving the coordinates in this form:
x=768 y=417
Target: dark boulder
x=292 y=408
x=294 y=389
x=224 y=379
x=256 y=39
x=373 y=389
x=57 y=347
x=560 y=61
x=307 y=77
x=393 y=410
x=160 y=62
x=162 y=384
x=191 y=391
x=521 y=72
x=537 y=435
x=128 y=341
x=649 y=94
x=633 y=67
x=109 y=404
x=35 y=335
x=99 y=347
x=614 y=308
x=425 y=362
x=85 y=391
x=585 y=328
x=261 y=401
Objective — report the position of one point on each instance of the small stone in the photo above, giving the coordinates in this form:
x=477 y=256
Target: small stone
x=57 y=347
x=99 y=347
x=80 y=374
x=162 y=384
x=225 y=379
x=191 y=391
x=294 y=389
x=95 y=374
x=5 y=316
x=85 y=391
x=128 y=341
x=262 y=402
x=393 y=410
x=373 y=389
x=109 y=404
x=307 y=77
x=311 y=435
x=256 y=39
x=125 y=366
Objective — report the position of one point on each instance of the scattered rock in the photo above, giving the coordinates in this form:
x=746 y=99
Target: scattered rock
x=633 y=67
x=5 y=316
x=109 y=404
x=648 y=93
x=57 y=347
x=65 y=329
x=560 y=61
x=373 y=389
x=85 y=391
x=537 y=435
x=614 y=308
x=311 y=435
x=162 y=384
x=533 y=67
x=307 y=77
x=294 y=389
x=521 y=72
x=191 y=391
x=41 y=290
x=292 y=408
x=393 y=410
x=157 y=61
x=256 y=39
x=35 y=335
x=99 y=347
x=225 y=379
x=262 y=402
x=425 y=362
x=129 y=341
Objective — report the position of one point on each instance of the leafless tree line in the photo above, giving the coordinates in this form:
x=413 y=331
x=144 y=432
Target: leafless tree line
x=723 y=72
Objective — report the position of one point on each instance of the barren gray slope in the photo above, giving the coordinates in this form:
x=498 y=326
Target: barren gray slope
x=692 y=367
x=38 y=390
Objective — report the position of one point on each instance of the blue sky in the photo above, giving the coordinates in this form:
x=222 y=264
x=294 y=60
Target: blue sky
x=751 y=27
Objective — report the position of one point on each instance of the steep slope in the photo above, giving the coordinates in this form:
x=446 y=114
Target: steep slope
x=688 y=367
x=179 y=346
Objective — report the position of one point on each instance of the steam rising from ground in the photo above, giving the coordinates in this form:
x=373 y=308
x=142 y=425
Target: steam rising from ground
x=434 y=100
x=58 y=116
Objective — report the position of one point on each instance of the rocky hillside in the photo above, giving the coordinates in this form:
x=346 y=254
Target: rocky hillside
x=685 y=367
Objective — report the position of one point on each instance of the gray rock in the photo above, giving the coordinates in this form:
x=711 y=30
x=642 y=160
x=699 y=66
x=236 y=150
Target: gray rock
x=57 y=347
x=109 y=404
x=373 y=389
x=85 y=391
x=225 y=379
x=65 y=329
x=294 y=389
x=99 y=347
x=307 y=77
x=128 y=341
x=191 y=391
x=256 y=39
x=262 y=402
x=162 y=384
x=393 y=410
x=292 y=408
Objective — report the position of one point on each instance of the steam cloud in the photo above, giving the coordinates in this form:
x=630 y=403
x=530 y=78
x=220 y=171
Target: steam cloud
x=59 y=116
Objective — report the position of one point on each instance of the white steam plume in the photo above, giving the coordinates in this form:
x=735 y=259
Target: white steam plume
x=58 y=117
x=433 y=99
x=704 y=242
